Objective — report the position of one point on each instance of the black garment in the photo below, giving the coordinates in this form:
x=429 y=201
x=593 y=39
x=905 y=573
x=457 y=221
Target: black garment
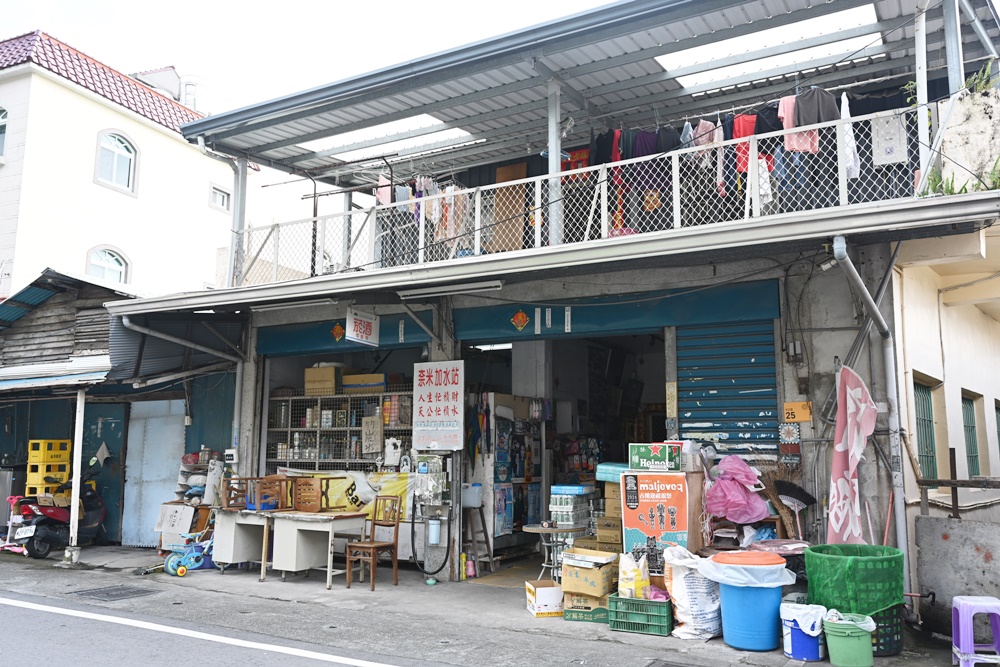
x=601 y=148
x=627 y=144
x=768 y=121
x=815 y=106
x=667 y=139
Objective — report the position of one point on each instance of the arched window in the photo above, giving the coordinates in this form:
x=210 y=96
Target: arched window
x=3 y=129
x=116 y=158
x=108 y=265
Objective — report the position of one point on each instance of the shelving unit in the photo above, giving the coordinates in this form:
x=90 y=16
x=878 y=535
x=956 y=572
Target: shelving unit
x=324 y=432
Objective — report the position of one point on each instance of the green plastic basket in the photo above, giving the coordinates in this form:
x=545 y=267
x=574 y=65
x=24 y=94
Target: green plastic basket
x=648 y=617
x=855 y=578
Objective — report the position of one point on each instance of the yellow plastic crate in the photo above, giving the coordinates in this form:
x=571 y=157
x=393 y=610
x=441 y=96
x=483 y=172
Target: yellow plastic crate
x=49 y=451
x=38 y=478
x=40 y=489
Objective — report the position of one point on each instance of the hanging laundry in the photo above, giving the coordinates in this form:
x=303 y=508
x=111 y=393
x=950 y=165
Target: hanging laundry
x=815 y=106
x=704 y=134
x=718 y=136
x=383 y=194
x=667 y=139
x=797 y=142
x=645 y=143
x=743 y=126
x=687 y=135
x=852 y=161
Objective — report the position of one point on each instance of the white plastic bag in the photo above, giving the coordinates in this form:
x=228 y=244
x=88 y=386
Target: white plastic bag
x=755 y=576
x=866 y=623
x=808 y=616
x=633 y=577
x=697 y=611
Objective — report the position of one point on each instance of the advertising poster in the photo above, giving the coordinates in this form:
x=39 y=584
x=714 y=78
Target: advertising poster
x=355 y=491
x=503 y=496
x=654 y=506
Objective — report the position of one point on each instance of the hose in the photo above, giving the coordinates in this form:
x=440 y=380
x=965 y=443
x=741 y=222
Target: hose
x=413 y=551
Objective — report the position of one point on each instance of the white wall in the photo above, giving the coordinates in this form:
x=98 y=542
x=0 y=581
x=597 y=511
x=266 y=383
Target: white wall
x=167 y=231
x=14 y=92
x=968 y=361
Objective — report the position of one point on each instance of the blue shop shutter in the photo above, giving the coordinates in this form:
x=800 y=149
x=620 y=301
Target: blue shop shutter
x=727 y=387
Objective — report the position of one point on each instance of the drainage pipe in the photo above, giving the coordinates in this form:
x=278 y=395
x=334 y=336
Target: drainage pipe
x=889 y=357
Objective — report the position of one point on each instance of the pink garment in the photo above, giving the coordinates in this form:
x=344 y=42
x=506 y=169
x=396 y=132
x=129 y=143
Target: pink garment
x=798 y=142
x=383 y=194
x=731 y=496
x=856 y=413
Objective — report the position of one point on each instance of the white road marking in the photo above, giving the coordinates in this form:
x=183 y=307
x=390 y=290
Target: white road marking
x=193 y=634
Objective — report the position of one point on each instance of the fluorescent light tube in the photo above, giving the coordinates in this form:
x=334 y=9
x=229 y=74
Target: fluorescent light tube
x=451 y=290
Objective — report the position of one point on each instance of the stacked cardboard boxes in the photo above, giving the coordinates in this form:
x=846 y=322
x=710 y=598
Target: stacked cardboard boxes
x=609 y=527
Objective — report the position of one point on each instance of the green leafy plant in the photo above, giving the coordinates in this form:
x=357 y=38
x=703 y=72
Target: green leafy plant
x=938 y=184
x=982 y=80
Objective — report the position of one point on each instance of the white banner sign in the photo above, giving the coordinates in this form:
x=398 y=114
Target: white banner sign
x=362 y=327
x=439 y=405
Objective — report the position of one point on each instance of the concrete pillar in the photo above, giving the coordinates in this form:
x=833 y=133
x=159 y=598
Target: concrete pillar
x=345 y=242
x=531 y=369
x=72 y=554
x=670 y=357
x=444 y=327
x=555 y=165
x=239 y=224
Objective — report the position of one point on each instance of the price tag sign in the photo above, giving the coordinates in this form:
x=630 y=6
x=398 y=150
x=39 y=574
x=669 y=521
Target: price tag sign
x=799 y=412
x=362 y=327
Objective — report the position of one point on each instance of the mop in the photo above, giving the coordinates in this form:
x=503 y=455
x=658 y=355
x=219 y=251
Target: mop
x=795 y=498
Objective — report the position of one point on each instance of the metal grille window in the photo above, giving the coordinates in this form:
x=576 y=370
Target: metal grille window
x=971 y=440
x=927 y=448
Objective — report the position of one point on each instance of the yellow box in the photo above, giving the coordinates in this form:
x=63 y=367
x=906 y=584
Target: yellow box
x=545 y=598
x=595 y=581
x=372 y=383
x=321 y=381
x=49 y=451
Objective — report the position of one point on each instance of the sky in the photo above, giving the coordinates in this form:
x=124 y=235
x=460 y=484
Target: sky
x=247 y=52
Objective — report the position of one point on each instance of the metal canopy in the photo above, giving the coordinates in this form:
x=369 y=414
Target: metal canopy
x=495 y=90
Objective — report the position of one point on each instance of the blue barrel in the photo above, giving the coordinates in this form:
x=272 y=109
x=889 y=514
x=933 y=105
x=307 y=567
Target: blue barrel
x=750 y=617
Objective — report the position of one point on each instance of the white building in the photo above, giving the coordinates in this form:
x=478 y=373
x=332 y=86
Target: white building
x=96 y=179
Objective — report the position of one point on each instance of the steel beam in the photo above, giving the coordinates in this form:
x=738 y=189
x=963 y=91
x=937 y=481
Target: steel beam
x=953 y=45
x=978 y=27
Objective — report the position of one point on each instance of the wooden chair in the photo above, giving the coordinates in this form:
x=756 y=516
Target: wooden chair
x=386 y=514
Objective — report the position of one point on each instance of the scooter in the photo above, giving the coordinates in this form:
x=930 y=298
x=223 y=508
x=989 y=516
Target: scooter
x=45 y=526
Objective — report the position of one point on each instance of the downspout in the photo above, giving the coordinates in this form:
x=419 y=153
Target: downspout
x=239 y=167
x=889 y=357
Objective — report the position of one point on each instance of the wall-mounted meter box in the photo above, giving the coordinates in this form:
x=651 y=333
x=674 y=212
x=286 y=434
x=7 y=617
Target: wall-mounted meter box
x=231 y=456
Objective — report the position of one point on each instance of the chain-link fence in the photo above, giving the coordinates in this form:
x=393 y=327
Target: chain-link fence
x=869 y=159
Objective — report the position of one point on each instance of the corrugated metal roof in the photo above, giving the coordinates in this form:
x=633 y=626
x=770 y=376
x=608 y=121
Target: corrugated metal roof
x=496 y=89
x=43 y=288
x=135 y=355
x=53 y=381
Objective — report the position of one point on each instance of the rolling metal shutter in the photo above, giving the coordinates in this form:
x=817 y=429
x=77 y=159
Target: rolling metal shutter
x=727 y=387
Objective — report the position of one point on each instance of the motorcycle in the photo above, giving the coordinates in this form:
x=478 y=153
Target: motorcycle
x=46 y=526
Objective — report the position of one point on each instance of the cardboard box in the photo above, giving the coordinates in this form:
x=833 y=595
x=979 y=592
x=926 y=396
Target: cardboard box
x=321 y=381
x=586 y=608
x=545 y=598
x=585 y=543
x=610 y=535
x=613 y=508
x=609 y=522
x=594 y=581
x=612 y=490
x=373 y=383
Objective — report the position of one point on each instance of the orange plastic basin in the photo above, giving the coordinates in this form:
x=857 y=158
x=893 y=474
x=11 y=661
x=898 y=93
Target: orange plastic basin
x=748 y=558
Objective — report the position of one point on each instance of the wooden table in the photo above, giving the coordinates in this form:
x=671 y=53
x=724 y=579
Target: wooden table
x=241 y=536
x=304 y=540
x=549 y=542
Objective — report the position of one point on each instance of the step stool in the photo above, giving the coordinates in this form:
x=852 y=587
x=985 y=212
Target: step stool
x=963 y=611
x=473 y=536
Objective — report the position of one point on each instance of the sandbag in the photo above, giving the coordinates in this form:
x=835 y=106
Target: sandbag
x=697 y=610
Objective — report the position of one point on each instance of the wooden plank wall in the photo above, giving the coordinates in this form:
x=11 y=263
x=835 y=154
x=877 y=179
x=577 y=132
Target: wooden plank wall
x=71 y=323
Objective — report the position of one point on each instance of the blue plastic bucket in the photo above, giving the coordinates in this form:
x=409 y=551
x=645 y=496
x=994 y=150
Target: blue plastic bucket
x=800 y=646
x=750 y=619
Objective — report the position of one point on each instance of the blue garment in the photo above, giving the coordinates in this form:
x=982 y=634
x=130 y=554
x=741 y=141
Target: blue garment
x=687 y=135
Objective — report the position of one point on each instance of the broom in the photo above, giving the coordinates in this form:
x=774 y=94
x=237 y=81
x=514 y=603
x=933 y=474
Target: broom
x=795 y=498
x=768 y=477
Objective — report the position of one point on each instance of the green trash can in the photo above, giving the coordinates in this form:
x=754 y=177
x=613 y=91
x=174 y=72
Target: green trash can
x=849 y=644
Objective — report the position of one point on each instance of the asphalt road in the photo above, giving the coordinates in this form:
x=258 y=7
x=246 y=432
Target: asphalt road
x=72 y=633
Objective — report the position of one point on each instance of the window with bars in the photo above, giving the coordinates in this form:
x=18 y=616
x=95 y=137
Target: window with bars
x=926 y=445
x=971 y=438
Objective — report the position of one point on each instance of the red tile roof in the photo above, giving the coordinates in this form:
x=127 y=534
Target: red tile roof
x=59 y=58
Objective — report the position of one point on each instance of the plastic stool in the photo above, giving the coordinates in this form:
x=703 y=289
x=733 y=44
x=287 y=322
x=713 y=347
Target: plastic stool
x=963 y=610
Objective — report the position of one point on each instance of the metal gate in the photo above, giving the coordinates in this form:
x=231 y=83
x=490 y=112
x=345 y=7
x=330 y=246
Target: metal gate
x=155 y=447
x=727 y=387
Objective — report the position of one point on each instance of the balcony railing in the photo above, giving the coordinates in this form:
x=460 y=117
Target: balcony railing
x=868 y=159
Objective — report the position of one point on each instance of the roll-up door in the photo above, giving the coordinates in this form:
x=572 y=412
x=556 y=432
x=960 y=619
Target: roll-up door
x=727 y=387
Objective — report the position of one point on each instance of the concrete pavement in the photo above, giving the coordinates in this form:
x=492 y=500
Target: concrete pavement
x=452 y=623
